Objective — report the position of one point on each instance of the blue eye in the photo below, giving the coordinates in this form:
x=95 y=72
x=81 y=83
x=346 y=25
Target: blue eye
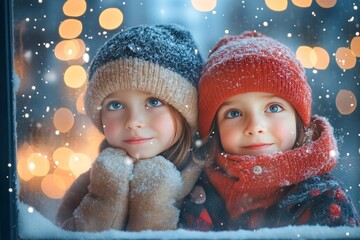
x=274 y=108
x=154 y=102
x=233 y=114
x=114 y=105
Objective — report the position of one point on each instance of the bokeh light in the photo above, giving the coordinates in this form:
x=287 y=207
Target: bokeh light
x=326 y=3
x=70 y=28
x=111 y=18
x=38 y=164
x=346 y=102
x=24 y=151
x=345 y=58
x=79 y=163
x=75 y=76
x=304 y=54
x=302 y=3
x=69 y=49
x=63 y=120
x=61 y=157
x=80 y=104
x=355 y=46
x=277 y=5
x=74 y=8
x=322 y=58
x=53 y=186
x=204 y=5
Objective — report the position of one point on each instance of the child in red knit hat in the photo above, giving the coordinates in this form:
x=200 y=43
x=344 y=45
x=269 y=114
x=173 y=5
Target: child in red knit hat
x=269 y=158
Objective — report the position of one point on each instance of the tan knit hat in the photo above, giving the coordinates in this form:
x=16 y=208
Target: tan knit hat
x=162 y=60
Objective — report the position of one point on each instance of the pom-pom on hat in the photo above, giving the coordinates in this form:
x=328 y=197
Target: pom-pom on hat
x=162 y=60
x=251 y=62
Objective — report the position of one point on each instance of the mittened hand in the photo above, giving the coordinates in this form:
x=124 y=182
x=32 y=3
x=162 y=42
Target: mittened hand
x=155 y=185
x=111 y=171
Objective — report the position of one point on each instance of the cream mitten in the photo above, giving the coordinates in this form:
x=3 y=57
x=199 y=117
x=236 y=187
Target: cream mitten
x=106 y=204
x=155 y=185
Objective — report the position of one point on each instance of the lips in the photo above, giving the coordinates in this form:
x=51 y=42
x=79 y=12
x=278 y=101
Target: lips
x=259 y=146
x=137 y=140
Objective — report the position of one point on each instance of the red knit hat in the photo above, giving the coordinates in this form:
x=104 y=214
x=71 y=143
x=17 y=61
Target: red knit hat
x=251 y=62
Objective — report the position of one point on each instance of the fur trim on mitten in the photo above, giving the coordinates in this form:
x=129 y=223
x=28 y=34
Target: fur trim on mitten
x=155 y=185
x=106 y=204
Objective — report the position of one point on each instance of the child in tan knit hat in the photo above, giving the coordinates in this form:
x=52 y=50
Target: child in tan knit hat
x=142 y=95
x=269 y=158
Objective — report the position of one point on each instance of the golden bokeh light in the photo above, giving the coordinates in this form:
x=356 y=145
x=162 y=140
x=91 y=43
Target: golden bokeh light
x=79 y=163
x=53 y=186
x=38 y=164
x=322 y=58
x=302 y=3
x=306 y=56
x=74 y=8
x=355 y=46
x=111 y=18
x=345 y=58
x=75 y=76
x=70 y=28
x=61 y=157
x=80 y=104
x=24 y=151
x=277 y=5
x=66 y=176
x=346 y=102
x=204 y=5
x=326 y=3
x=63 y=120
x=70 y=49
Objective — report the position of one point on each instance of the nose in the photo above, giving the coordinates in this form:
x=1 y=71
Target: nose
x=255 y=125
x=134 y=121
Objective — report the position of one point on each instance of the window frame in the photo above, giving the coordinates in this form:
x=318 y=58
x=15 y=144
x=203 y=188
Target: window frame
x=8 y=190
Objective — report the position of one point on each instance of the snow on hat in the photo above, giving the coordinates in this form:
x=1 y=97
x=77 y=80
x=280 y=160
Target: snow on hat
x=251 y=62
x=161 y=59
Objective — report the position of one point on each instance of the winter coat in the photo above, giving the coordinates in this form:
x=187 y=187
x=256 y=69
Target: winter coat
x=117 y=193
x=317 y=200
x=272 y=190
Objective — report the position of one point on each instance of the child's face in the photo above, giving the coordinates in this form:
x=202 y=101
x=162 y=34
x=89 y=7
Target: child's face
x=256 y=123
x=139 y=123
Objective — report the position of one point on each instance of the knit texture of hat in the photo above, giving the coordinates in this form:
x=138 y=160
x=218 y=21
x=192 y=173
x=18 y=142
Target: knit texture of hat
x=162 y=60
x=251 y=62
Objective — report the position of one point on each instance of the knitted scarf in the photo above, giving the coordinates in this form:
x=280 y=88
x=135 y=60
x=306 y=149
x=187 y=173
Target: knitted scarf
x=250 y=182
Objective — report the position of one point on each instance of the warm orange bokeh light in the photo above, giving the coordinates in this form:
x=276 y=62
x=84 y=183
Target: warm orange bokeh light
x=66 y=176
x=53 y=186
x=63 y=120
x=277 y=5
x=326 y=3
x=80 y=104
x=345 y=58
x=38 y=164
x=70 y=28
x=75 y=76
x=302 y=3
x=70 y=49
x=355 y=46
x=79 y=163
x=111 y=18
x=23 y=170
x=204 y=5
x=74 y=8
x=346 y=102
x=61 y=157
x=323 y=58
x=306 y=56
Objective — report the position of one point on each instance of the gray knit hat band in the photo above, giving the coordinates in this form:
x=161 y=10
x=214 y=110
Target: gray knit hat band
x=134 y=74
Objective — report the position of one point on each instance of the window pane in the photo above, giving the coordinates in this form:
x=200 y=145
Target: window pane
x=55 y=42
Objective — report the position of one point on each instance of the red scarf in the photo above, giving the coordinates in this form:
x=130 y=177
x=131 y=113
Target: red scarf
x=251 y=182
